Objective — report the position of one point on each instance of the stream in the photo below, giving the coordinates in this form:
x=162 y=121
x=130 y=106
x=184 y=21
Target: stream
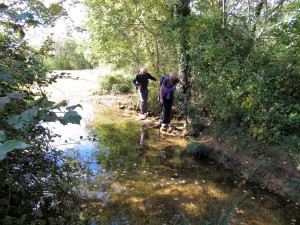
x=134 y=175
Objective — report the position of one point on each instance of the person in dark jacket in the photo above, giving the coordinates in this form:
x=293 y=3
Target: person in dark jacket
x=141 y=83
x=166 y=96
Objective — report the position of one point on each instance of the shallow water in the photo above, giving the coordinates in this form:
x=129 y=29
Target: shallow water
x=135 y=176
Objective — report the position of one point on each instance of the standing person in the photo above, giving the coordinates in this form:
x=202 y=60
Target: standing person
x=166 y=96
x=141 y=83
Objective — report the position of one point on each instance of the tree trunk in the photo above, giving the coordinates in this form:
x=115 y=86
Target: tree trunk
x=224 y=12
x=183 y=12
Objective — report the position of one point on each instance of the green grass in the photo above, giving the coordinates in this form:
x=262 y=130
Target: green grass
x=268 y=165
x=198 y=149
x=286 y=150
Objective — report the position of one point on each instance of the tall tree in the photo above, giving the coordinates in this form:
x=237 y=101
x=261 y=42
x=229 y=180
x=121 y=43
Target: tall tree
x=127 y=33
x=183 y=12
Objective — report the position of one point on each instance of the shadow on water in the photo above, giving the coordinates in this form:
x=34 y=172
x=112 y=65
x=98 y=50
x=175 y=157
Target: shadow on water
x=134 y=176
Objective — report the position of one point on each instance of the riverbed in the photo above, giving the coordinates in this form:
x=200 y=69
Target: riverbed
x=134 y=175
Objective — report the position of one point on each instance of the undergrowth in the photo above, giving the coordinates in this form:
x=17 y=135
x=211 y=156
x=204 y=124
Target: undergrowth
x=286 y=150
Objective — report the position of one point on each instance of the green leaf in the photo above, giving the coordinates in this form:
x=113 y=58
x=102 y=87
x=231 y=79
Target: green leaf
x=70 y=117
x=22 y=122
x=37 y=102
x=66 y=186
x=29 y=114
x=43 y=101
x=18 y=64
x=6 y=77
x=37 y=214
x=2 y=135
x=21 y=220
x=47 y=116
x=16 y=122
x=3 y=102
x=19 y=95
x=9 y=220
x=61 y=104
x=12 y=145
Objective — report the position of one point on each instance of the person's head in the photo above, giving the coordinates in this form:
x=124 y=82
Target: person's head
x=144 y=70
x=173 y=76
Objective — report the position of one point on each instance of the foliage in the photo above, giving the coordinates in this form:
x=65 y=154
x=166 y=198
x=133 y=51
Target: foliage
x=23 y=102
x=136 y=33
x=116 y=83
x=247 y=78
x=34 y=185
x=198 y=149
x=112 y=128
x=153 y=103
x=268 y=165
x=68 y=55
x=244 y=56
x=130 y=34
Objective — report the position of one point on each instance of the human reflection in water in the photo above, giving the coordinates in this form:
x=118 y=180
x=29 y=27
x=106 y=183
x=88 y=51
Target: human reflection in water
x=142 y=144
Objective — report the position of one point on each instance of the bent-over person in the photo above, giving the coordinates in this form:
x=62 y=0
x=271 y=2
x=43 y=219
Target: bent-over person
x=166 y=96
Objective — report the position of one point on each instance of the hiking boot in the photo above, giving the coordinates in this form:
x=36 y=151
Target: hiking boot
x=164 y=127
x=142 y=116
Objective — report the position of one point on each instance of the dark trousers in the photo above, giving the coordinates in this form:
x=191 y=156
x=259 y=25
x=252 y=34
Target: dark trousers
x=165 y=116
x=144 y=99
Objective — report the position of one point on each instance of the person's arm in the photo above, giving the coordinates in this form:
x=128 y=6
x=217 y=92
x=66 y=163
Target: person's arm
x=181 y=82
x=135 y=80
x=178 y=81
x=151 y=77
x=161 y=91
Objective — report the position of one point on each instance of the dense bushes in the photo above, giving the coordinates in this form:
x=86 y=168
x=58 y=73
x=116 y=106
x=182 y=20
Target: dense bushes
x=116 y=83
x=244 y=57
x=67 y=55
x=35 y=187
x=249 y=81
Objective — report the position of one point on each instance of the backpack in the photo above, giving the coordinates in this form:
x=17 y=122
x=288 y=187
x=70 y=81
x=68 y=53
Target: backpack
x=163 y=77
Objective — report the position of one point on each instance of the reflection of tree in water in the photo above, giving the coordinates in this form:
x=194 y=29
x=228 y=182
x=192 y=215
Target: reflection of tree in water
x=118 y=141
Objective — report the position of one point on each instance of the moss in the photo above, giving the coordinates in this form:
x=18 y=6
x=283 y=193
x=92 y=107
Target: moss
x=198 y=149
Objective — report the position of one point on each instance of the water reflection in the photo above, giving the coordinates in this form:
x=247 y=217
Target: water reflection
x=149 y=181
x=133 y=176
x=142 y=143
